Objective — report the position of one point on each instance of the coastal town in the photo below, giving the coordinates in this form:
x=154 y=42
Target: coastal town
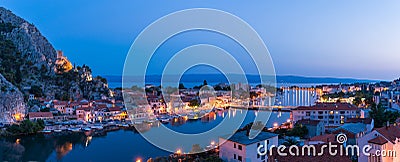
x=367 y=113
x=282 y=95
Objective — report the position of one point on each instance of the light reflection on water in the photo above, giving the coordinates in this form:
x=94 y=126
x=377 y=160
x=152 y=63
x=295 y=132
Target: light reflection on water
x=122 y=145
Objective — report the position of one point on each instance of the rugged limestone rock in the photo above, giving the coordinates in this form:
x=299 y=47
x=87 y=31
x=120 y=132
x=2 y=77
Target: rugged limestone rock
x=28 y=40
x=11 y=101
x=28 y=61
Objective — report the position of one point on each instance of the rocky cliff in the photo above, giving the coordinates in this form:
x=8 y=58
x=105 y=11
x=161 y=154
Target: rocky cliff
x=12 y=102
x=29 y=64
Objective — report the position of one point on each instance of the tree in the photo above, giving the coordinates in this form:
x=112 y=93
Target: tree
x=213 y=159
x=181 y=86
x=104 y=80
x=26 y=127
x=36 y=90
x=196 y=148
x=357 y=101
x=392 y=116
x=45 y=110
x=194 y=102
x=290 y=142
x=299 y=131
x=205 y=82
x=378 y=114
x=218 y=88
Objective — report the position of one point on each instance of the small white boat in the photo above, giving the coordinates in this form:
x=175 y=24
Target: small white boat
x=87 y=129
x=46 y=131
x=193 y=116
x=96 y=127
x=150 y=121
x=75 y=129
x=164 y=120
x=57 y=130
x=125 y=125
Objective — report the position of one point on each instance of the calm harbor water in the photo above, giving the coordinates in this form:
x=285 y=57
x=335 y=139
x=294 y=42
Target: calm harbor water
x=122 y=145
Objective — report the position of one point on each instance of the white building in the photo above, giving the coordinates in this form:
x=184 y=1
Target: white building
x=239 y=147
x=382 y=140
x=61 y=106
x=332 y=114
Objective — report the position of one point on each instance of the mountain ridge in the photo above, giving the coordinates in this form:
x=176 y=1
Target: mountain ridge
x=279 y=78
x=30 y=65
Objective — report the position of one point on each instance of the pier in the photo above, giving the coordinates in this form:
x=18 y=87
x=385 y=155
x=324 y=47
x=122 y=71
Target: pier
x=268 y=108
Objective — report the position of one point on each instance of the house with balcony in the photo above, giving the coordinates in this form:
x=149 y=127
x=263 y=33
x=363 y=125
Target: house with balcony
x=314 y=127
x=238 y=147
x=331 y=114
x=383 y=140
x=40 y=115
x=85 y=114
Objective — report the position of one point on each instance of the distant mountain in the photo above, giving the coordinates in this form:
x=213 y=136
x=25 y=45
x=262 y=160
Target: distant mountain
x=217 y=78
x=303 y=79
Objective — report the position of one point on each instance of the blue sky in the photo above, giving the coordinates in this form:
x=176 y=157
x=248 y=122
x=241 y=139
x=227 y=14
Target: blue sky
x=359 y=38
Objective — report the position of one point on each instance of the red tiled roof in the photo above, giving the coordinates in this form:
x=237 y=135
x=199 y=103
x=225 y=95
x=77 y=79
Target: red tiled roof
x=378 y=140
x=74 y=104
x=359 y=120
x=326 y=138
x=391 y=132
x=40 y=114
x=58 y=101
x=101 y=106
x=85 y=108
x=114 y=109
x=308 y=122
x=329 y=106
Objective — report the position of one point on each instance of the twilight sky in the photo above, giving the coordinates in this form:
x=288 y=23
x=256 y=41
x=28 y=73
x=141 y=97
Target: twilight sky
x=341 y=38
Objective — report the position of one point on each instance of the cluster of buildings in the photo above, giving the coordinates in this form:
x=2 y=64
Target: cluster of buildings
x=324 y=122
x=83 y=110
x=385 y=93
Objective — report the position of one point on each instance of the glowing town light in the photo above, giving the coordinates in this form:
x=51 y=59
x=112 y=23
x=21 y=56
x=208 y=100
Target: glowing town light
x=179 y=151
x=212 y=143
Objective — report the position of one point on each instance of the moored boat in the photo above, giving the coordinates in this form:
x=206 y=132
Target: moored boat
x=75 y=129
x=193 y=116
x=47 y=131
x=96 y=127
x=58 y=130
x=87 y=129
